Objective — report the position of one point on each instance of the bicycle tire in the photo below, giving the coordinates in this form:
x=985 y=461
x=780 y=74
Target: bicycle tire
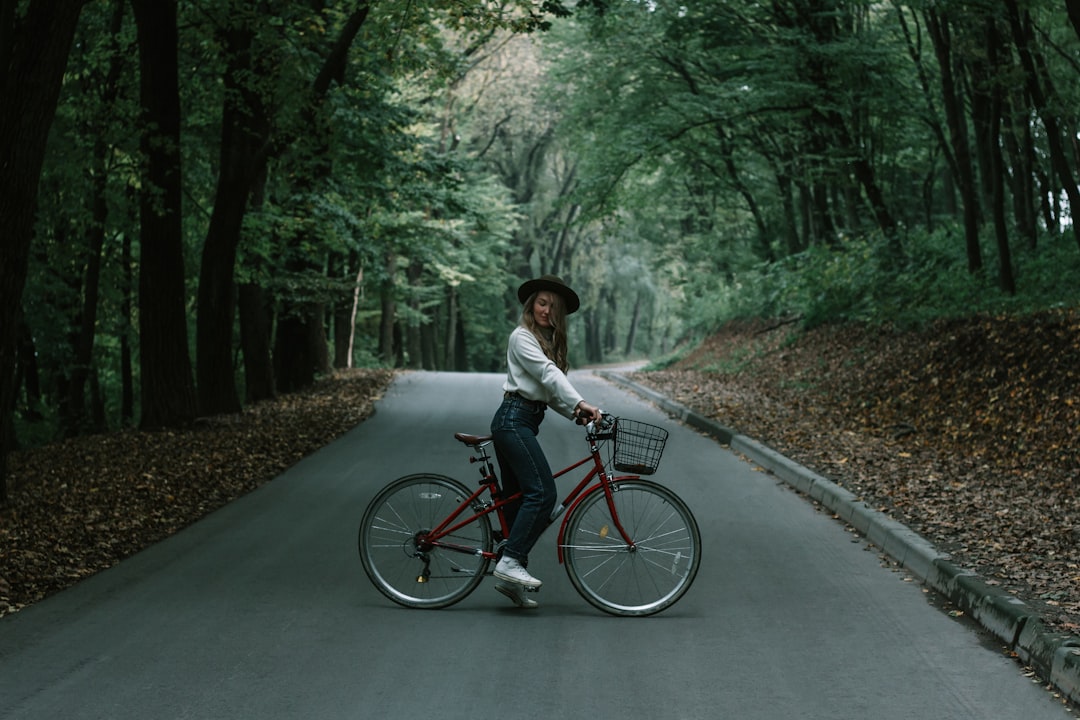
x=639 y=579
x=397 y=563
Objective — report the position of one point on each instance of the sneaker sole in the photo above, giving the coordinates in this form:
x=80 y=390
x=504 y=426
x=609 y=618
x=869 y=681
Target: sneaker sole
x=516 y=581
x=516 y=599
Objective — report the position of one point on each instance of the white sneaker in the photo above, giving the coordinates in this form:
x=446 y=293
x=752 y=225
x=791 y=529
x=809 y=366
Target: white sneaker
x=511 y=570
x=517 y=595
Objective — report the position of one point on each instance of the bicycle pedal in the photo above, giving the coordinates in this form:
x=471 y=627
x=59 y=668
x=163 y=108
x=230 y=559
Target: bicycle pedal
x=528 y=589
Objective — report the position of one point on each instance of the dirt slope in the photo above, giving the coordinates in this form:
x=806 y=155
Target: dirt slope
x=966 y=432
x=80 y=506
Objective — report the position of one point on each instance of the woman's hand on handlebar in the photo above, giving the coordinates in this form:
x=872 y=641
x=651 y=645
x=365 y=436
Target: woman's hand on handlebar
x=586 y=413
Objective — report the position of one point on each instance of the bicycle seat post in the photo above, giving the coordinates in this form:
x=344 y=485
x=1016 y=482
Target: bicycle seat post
x=487 y=470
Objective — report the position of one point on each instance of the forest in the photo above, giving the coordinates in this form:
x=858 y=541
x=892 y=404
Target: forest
x=208 y=204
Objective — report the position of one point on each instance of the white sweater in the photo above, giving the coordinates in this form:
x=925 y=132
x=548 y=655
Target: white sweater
x=531 y=374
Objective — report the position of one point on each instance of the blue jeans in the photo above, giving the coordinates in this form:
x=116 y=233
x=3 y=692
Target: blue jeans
x=523 y=467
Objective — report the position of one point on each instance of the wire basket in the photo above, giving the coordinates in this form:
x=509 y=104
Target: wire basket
x=637 y=447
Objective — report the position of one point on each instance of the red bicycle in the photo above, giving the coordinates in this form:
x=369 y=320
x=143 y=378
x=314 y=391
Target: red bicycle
x=630 y=546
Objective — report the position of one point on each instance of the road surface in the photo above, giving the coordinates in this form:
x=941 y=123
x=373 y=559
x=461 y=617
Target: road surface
x=262 y=610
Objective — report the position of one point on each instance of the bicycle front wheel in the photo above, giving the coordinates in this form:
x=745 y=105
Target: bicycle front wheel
x=398 y=559
x=641 y=577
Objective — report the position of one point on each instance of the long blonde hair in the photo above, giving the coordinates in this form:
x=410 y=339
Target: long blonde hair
x=553 y=343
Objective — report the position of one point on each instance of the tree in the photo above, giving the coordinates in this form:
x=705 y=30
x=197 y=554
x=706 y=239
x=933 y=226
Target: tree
x=745 y=124
x=1043 y=96
x=245 y=136
x=246 y=129
x=300 y=351
x=103 y=86
x=986 y=111
x=380 y=175
x=168 y=390
x=34 y=46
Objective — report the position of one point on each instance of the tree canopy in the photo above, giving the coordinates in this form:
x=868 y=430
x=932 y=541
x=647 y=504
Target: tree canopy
x=209 y=203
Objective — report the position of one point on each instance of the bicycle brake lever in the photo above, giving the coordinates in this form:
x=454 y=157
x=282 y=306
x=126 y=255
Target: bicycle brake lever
x=591 y=425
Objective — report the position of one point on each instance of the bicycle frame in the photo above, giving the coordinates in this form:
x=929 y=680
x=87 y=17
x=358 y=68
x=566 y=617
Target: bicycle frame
x=489 y=484
x=630 y=546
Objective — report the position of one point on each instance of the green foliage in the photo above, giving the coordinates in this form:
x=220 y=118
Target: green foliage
x=728 y=134
x=862 y=281
x=680 y=164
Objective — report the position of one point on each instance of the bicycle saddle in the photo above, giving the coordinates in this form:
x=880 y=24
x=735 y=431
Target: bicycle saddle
x=472 y=439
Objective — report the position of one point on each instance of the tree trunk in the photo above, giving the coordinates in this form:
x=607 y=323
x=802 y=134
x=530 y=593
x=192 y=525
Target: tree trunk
x=461 y=357
x=996 y=170
x=915 y=52
x=297 y=359
x=823 y=228
x=83 y=336
x=413 y=349
x=592 y=335
x=1041 y=91
x=27 y=374
x=127 y=373
x=790 y=226
x=244 y=134
x=429 y=347
x=1048 y=200
x=764 y=237
x=1019 y=143
x=168 y=390
x=1074 y=14
x=34 y=46
x=938 y=28
x=78 y=417
x=453 y=320
x=342 y=326
x=255 y=310
x=631 y=334
x=609 y=312
x=806 y=216
x=304 y=322
x=340 y=312
x=864 y=173
x=256 y=323
x=388 y=316
x=355 y=309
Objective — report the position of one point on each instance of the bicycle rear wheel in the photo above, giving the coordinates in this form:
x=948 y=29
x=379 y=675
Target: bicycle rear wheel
x=641 y=578
x=398 y=560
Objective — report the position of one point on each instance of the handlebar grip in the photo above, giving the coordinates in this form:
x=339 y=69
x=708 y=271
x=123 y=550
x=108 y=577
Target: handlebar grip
x=605 y=421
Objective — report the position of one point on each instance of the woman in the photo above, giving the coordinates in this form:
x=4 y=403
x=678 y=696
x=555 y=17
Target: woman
x=535 y=380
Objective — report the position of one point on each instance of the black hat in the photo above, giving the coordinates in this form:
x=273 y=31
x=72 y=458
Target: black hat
x=555 y=285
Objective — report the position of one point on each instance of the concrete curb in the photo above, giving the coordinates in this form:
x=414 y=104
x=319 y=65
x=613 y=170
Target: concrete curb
x=1055 y=657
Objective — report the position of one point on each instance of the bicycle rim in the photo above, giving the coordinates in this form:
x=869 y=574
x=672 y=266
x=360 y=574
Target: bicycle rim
x=639 y=579
x=394 y=557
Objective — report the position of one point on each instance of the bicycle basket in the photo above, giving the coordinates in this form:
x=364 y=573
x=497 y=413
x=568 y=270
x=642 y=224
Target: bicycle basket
x=637 y=447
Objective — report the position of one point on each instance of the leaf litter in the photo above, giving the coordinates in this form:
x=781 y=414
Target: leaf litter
x=80 y=506
x=965 y=431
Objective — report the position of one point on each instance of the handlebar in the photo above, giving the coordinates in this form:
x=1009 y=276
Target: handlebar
x=607 y=420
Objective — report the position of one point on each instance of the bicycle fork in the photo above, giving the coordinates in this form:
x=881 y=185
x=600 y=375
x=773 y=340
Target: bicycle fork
x=609 y=487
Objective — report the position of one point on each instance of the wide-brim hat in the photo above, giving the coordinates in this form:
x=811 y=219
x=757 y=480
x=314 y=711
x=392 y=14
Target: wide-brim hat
x=553 y=284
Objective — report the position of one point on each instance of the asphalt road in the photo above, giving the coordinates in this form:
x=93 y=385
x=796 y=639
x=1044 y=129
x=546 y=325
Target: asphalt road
x=262 y=610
